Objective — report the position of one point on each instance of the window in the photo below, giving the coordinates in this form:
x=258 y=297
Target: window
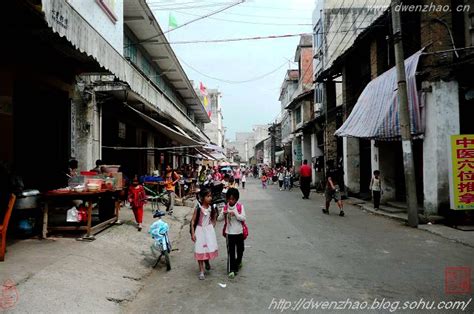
x=130 y=50
x=298 y=115
x=318 y=38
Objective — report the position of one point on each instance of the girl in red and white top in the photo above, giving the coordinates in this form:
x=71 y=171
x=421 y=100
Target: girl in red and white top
x=202 y=232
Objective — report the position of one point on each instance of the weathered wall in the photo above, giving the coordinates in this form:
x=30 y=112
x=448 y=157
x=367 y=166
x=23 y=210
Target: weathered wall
x=442 y=120
x=86 y=142
x=351 y=164
x=95 y=15
x=387 y=169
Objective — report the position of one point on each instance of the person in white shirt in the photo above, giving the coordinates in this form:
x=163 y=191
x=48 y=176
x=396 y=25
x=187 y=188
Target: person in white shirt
x=234 y=231
x=244 y=179
x=376 y=188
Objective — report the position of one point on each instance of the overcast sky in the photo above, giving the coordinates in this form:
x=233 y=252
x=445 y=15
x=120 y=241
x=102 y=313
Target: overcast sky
x=244 y=104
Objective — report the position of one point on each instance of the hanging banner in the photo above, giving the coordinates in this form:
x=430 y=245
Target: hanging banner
x=461 y=172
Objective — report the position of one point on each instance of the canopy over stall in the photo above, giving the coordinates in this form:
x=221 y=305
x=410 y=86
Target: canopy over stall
x=376 y=114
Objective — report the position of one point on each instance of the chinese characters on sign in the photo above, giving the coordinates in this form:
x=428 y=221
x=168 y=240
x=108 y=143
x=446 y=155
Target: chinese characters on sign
x=59 y=18
x=462 y=172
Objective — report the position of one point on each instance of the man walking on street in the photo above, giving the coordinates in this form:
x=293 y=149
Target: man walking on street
x=332 y=188
x=305 y=179
x=171 y=178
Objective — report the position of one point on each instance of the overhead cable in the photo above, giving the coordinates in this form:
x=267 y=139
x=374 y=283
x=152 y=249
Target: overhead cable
x=230 y=39
x=231 y=81
x=255 y=23
x=192 y=21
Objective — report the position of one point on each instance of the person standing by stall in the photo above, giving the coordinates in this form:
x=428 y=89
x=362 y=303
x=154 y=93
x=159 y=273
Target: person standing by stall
x=72 y=170
x=171 y=178
x=98 y=166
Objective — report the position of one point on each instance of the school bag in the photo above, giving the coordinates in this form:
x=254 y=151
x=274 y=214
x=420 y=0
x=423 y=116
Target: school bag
x=198 y=214
x=245 y=229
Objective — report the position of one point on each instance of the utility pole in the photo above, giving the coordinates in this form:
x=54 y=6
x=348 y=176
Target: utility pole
x=404 y=117
x=273 y=144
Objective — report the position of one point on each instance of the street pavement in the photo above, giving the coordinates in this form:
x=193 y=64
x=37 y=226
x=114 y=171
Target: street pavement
x=295 y=255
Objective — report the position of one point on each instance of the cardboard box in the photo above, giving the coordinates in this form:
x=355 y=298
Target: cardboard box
x=118 y=180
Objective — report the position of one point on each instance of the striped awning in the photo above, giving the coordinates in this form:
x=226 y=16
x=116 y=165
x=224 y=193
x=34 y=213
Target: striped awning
x=376 y=115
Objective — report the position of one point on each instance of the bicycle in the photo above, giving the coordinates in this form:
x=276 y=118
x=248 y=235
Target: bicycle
x=156 y=198
x=161 y=246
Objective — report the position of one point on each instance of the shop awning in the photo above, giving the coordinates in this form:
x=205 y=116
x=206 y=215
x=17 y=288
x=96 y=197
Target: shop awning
x=218 y=156
x=86 y=39
x=166 y=130
x=279 y=153
x=215 y=148
x=375 y=115
x=205 y=155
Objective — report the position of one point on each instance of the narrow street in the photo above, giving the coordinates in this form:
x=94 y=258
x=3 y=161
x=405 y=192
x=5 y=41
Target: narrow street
x=294 y=252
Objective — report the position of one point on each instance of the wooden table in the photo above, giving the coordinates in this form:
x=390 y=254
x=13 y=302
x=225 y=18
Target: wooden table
x=90 y=197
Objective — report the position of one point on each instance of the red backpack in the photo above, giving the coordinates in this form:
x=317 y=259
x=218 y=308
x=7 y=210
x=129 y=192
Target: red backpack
x=245 y=229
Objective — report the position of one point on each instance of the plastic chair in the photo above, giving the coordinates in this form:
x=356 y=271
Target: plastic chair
x=4 y=227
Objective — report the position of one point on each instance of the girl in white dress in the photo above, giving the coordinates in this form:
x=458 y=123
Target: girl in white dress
x=202 y=232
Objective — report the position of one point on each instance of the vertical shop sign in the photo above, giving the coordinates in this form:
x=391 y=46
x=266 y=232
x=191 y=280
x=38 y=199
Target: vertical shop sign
x=73 y=130
x=461 y=171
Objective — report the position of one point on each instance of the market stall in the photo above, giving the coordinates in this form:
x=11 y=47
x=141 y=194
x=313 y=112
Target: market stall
x=90 y=198
x=84 y=193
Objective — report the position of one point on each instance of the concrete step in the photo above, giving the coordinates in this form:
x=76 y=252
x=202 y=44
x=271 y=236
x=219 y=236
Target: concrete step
x=399 y=205
x=391 y=209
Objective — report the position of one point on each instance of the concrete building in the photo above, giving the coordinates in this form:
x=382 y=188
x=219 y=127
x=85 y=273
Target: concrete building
x=440 y=100
x=241 y=144
x=260 y=134
x=215 y=129
x=108 y=94
x=301 y=105
x=336 y=24
x=288 y=88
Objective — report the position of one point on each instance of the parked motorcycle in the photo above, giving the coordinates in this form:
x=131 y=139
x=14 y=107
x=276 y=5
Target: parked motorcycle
x=218 y=198
x=161 y=245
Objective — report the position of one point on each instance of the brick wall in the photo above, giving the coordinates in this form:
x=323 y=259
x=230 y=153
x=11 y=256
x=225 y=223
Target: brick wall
x=330 y=141
x=307 y=67
x=435 y=35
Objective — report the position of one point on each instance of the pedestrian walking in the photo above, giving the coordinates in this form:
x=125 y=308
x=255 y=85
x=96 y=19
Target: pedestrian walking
x=203 y=234
x=376 y=188
x=286 y=179
x=237 y=176
x=305 y=179
x=292 y=175
x=232 y=183
x=281 y=177
x=332 y=188
x=235 y=231
x=137 y=199
x=244 y=179
x=171 y=178
x=264 y=181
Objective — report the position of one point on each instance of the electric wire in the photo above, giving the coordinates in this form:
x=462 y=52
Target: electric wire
x=192 y=21
x=231 y=81
x=248 y=22
x=343 y=19
x=229 y=39
x=355 y=20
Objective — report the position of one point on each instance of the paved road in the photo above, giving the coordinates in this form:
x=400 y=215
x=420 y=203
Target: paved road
x=294 y=252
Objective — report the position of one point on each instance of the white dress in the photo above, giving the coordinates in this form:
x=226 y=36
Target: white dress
x=205 y=247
